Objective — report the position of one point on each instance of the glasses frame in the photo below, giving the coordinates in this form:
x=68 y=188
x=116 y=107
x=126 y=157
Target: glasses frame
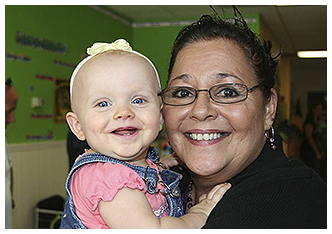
x=161 y=94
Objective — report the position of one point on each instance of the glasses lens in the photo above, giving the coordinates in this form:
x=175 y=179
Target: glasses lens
x=178 y=95
x=228 y=93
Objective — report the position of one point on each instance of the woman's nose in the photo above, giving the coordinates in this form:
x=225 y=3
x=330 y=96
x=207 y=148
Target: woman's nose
x=123 y=113
x=203 y=108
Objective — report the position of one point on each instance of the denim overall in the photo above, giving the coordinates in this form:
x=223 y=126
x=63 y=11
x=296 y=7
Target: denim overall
x=70 y=220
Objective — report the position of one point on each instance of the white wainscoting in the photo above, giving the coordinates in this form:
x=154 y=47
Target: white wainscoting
x=40 y=170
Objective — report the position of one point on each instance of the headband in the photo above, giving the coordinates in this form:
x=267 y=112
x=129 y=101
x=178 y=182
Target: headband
x=98 y=47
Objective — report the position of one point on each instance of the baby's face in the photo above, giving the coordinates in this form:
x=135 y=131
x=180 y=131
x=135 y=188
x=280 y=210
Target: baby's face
x=115 y=98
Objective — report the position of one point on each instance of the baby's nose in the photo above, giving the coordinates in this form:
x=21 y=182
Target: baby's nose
x=124 y=113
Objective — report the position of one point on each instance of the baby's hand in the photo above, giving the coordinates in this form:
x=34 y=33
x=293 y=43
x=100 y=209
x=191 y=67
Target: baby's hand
x=208 y=201
x=169 y=161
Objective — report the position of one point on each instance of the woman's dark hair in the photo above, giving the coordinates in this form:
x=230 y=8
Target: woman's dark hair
x=208 y=28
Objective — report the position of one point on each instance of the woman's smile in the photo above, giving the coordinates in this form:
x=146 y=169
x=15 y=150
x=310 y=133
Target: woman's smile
x=205 y=137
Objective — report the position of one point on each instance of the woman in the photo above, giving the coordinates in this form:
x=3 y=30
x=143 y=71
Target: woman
x=311 y=152
x=219 y=108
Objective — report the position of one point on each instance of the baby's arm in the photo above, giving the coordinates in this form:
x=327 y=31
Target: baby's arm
x=130 y=209
x=198 y=214
x=169 y=161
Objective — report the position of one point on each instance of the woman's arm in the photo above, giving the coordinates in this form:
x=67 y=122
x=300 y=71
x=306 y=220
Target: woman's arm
x=131 y=209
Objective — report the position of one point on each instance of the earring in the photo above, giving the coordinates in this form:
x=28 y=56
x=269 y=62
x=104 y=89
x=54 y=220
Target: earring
x=270 y=139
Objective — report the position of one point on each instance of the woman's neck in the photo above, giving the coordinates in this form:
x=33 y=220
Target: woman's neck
x=203 y=185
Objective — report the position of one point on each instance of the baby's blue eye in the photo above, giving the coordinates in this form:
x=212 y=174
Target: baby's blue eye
x=103 y=104
x=138 y=101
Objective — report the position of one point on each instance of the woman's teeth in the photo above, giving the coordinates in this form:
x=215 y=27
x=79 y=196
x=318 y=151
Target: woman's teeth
x=205 y=136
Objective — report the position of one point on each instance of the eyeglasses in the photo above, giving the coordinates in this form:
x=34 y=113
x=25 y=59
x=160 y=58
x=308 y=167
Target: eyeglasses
x=9 y=82
x=221 y=93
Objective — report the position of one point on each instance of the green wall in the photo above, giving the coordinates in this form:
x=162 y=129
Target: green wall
x=156 y=43
x=77 y=27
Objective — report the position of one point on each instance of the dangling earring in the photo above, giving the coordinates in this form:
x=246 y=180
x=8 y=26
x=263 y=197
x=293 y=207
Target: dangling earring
x=270 y=139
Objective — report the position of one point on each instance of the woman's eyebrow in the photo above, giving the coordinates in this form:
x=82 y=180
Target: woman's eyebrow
x=180 y=77
x=225 y=75
x=220 y=75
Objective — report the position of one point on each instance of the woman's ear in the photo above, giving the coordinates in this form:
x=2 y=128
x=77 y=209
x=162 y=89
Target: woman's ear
x=75 y=125
x=271 y=109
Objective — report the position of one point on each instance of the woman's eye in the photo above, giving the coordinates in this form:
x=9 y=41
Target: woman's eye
x=228 y=93
x=139 y=101
x=103 y=104
x=182 y=93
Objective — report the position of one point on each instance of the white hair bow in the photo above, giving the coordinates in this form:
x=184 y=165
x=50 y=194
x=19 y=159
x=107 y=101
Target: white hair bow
x=99 y=47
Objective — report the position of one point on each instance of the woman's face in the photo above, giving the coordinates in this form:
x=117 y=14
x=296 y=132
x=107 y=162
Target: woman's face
x=215 y=139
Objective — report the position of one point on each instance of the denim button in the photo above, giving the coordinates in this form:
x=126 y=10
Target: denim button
x=153 y=154
x=175 y=193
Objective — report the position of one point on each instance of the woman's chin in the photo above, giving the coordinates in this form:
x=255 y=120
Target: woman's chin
x=203 y=168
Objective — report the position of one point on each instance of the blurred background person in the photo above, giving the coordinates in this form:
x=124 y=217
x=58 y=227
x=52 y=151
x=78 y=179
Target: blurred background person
x=11 y=100
x=311 y=150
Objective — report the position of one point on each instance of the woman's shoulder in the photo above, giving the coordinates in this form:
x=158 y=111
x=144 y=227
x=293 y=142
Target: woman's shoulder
x=292 y=174
x=295 y=180
x=292 y=183
x=292 y=196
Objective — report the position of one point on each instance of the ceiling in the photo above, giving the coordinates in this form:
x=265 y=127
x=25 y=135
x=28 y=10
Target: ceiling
x=294 y=27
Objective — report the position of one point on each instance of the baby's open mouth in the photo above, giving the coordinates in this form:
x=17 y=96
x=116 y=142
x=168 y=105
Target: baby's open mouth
x=125 y=131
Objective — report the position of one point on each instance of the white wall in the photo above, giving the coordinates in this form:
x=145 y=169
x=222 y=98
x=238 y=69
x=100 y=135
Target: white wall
x=40 y=171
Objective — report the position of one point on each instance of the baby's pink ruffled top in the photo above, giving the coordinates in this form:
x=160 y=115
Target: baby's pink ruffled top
x=101 y=181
